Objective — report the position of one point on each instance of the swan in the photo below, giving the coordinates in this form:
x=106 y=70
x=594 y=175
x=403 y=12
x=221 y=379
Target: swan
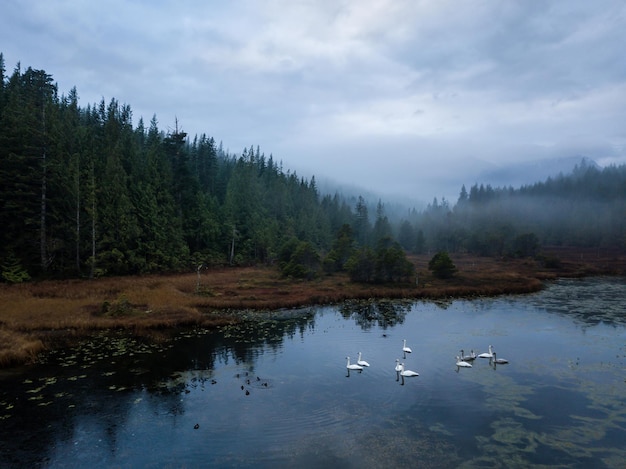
x=407 y=373
x=361 y=362
x=499 y=361
x=406 y=349
x=461 y=363
x=398 y=366
x=468 y=358
x=354 y=366
x=487 y=354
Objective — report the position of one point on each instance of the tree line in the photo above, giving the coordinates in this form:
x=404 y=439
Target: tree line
x=584 y=208
x=84 y=192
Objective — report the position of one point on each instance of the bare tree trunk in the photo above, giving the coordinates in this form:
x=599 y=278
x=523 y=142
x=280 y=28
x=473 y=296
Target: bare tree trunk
x=232 y=248
x=78 y=214
x=42 y=227
x=93 y=223
x=93 y=241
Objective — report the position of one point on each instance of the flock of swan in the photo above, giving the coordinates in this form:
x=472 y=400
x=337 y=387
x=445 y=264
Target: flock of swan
x=400 y=370
x=465 y=361
x=462 y=361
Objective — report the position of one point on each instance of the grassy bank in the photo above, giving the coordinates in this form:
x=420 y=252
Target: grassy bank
x=39 y=315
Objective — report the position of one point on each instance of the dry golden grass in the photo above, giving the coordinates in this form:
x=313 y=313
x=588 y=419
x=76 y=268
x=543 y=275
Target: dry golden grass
x=16 y=348
x=34 y=315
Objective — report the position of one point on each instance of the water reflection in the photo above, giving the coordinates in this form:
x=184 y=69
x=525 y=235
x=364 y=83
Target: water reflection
x=382 y=314
x=270 y=391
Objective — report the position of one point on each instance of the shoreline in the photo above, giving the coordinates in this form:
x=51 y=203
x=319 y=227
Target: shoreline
x=40 y=316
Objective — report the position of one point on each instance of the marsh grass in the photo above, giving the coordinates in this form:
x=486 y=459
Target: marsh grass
x=34 y=316
x=16 y=348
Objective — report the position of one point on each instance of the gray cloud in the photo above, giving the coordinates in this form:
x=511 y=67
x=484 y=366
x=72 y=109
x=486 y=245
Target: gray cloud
x=402 y=97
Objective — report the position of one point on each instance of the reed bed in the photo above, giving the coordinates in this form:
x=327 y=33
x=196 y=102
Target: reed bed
x=39 y=315
x=17 y=349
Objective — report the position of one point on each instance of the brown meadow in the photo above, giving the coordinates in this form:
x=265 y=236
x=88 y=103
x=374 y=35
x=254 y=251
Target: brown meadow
x=41 y=315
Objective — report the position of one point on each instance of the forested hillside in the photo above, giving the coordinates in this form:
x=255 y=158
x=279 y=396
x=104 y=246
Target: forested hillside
x=86 y=192
x=586 y=208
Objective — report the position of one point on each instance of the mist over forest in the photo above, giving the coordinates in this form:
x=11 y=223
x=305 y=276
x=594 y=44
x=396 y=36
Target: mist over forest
x=85 y=192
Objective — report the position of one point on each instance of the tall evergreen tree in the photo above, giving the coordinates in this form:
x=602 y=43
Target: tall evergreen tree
x=382 y=227
x=361 y=225
x=24 y=143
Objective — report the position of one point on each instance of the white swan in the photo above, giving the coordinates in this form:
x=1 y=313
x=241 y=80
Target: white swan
x=487 y=354
x=361 y=362
x=354 y=366
x=398 y=366
x=407 y=373
x=468 y=358
x=499 y=361
x=460 y=363
x=406 y=349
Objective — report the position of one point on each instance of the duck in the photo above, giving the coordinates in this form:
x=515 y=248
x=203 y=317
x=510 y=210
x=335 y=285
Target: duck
x=468 y=358
x=487 y=354
x=361 y=362
x=499 y=361
x=406 y=349
x=354 y=366
x=407 y=373
x=460 y=363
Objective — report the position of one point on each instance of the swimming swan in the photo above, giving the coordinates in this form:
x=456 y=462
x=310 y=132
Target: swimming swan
x=407 y=373
x=468 y=358
x=361 y=362
x=499 y=361
x=354 y=366
x=406 y=349
x=487 y=354
x=460 y=363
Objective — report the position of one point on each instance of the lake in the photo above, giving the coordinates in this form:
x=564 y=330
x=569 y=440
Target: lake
x=274 y=391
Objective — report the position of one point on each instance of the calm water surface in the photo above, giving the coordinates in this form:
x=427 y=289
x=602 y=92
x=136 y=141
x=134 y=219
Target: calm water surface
x=275 y=392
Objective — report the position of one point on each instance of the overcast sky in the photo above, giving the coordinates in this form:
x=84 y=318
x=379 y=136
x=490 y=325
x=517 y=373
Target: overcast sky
x=411 y=97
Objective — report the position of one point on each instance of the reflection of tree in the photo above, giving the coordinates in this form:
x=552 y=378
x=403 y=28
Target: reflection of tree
x=102 y=376
x=99 y=380
x=443 y=303
x=49 y=407
x=248 y=339
x=371 y=313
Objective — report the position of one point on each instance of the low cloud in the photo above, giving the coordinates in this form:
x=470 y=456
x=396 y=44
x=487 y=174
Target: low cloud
x=393 y=94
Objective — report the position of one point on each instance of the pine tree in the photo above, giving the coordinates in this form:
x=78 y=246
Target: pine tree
x=382 y=227
x=442 y=266
x=24 y=143
x=361 y=225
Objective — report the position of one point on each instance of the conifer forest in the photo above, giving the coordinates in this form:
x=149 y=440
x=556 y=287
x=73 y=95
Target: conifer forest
x=87 y=192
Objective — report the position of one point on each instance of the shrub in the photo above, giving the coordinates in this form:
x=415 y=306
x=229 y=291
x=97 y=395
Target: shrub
x=13 y=272
x=441 y=265
x=304 y=262
x=362 y=265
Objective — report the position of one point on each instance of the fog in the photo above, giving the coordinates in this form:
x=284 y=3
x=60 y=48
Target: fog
x=405 y=99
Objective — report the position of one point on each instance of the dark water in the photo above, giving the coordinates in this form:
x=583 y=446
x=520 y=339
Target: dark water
x=275 y=392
